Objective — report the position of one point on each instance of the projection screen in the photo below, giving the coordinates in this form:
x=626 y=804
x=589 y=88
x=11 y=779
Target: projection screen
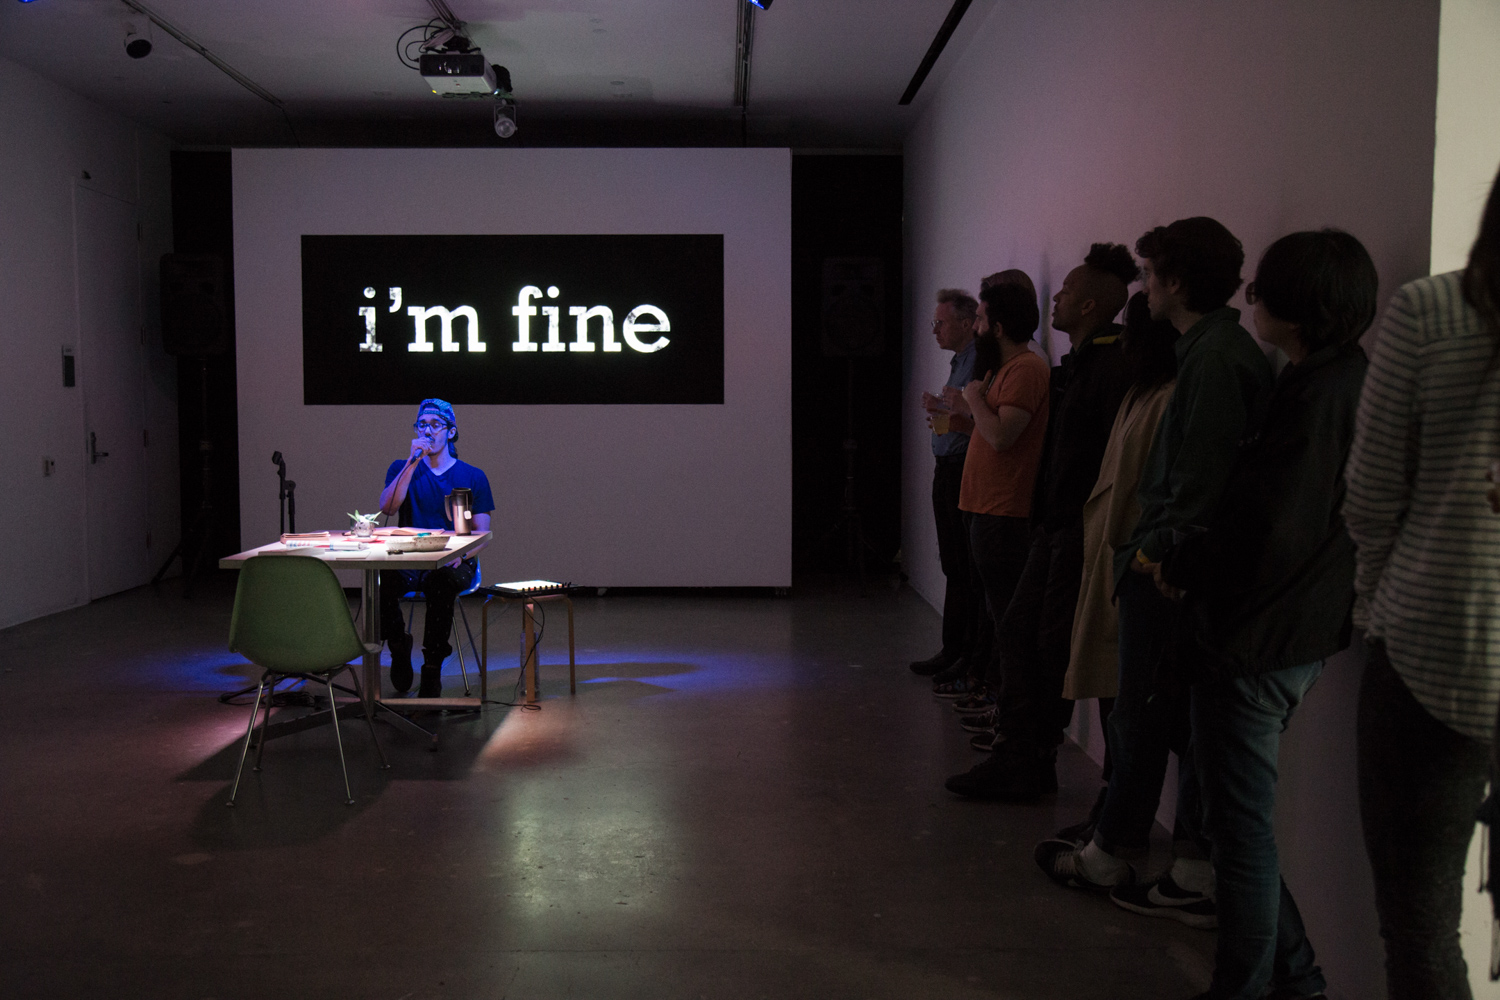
x=612 y=327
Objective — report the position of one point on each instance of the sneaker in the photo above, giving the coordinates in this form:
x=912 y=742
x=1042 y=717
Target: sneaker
x=987 y=742
x=931 y=665
x=957 y=670
x=1007 y=778
x=984 y=722
x=979 y=702
x=432 y=683
x=1165 y=898
x=1086 y=867
x=961 y=688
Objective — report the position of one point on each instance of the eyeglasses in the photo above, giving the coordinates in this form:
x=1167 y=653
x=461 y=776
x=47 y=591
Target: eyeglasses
x=429 y=426
x=1250 y=296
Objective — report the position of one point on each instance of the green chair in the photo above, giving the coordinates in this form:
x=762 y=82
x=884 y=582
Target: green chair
x=291 y=619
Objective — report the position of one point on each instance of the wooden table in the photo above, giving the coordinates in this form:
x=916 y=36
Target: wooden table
x=371 y=561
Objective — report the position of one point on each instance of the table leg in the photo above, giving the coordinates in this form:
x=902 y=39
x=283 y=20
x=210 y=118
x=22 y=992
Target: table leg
x=530 y=654
x=484 y=651
x=572 y=677
x=370 y=633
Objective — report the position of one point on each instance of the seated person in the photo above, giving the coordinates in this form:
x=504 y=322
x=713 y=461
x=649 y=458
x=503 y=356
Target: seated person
x=416 y=488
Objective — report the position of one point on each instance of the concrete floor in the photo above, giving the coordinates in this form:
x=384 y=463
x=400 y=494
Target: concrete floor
x=744 y=800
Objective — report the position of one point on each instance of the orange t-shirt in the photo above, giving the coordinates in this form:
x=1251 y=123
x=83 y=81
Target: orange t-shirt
x=1001 y=482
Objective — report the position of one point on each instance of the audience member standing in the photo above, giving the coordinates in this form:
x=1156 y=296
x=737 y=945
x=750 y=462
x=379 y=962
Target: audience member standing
x=1269 y=584
x=1109 y=519
x=1009 y=412
x=953 y=328
x=1429 y=576
x=1032 y=638
x=1191 y=269
x=966 y=679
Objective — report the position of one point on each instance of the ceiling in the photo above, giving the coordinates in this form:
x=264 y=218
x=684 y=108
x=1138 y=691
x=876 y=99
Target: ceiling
x=824 y=73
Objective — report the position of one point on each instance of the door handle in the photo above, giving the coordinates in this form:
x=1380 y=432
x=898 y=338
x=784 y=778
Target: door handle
x=94 y=453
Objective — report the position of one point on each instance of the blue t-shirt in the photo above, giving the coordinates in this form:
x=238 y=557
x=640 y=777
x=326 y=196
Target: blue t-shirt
x=424 y=496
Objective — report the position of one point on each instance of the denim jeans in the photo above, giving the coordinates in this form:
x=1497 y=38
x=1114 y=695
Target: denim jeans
x=1149 y=720
x=1420 y=783
x=1237 y=727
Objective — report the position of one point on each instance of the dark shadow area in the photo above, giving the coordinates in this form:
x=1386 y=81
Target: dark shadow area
x=203 y=223
x=846 y=207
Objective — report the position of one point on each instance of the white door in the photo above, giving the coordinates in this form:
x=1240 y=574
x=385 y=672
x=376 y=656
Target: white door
x=111 y=362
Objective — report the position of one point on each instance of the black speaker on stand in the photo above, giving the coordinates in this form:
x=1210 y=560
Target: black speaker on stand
x=853 y=327
x=195 y=325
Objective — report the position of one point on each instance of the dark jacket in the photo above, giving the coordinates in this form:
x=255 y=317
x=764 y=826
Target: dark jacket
x=1270 y=583
x=1087 y=389
x=1222 y=377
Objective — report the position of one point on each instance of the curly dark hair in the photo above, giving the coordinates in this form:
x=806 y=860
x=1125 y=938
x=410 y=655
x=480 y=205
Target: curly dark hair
x=1200 y=253
x=1324 y=281
x=1113 y=258
x=1481 y=282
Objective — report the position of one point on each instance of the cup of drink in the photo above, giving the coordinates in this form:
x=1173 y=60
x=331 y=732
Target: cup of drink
x=940 y=422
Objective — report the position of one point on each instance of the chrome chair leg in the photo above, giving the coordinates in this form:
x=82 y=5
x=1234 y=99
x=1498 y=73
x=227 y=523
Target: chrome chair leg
x=385 y=765
x=337 y=738
x=245 y=750
x=260 y=744
x=458 y=648
x=473 y=648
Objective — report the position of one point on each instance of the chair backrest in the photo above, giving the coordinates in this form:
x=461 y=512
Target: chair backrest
x=290 y=615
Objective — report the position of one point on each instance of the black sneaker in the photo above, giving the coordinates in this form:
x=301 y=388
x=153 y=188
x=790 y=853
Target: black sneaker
x=1007 y=778
x=984 y=722
x=931 y=665
x=1061 y=861
x=961 y=688
x=1165 y=898
x=978 y=702
x=432 y=683
x=987 y=742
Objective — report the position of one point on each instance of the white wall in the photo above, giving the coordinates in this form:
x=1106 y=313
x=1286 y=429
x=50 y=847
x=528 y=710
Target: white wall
x=49 y=137
x=600 y=495
x=1464 y=168
x=1468 y=127
x=1062 y=124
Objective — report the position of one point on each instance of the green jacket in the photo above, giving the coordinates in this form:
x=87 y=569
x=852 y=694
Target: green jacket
x=1222 y=376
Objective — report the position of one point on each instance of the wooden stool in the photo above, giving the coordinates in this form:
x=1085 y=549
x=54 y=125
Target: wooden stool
x=531 y=656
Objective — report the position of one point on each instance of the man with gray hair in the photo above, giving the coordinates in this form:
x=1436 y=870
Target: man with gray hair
x=953 y=329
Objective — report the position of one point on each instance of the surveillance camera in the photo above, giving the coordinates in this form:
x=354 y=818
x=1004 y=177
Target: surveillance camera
x=505 y=117
x=137 y=41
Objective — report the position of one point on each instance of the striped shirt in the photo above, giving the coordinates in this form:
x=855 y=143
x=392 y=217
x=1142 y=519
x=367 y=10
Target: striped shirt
x=1428 y=570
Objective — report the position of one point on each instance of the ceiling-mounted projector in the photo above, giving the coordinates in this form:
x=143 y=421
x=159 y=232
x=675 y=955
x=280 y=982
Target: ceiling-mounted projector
x=458 y=74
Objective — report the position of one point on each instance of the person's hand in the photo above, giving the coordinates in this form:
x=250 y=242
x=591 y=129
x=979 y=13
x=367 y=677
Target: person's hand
x=418 y=449
x=934 y=404
x=1493 y=493
x=1168 y=591
x=973 y=396
x=1139 y=565
x=954 y=397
